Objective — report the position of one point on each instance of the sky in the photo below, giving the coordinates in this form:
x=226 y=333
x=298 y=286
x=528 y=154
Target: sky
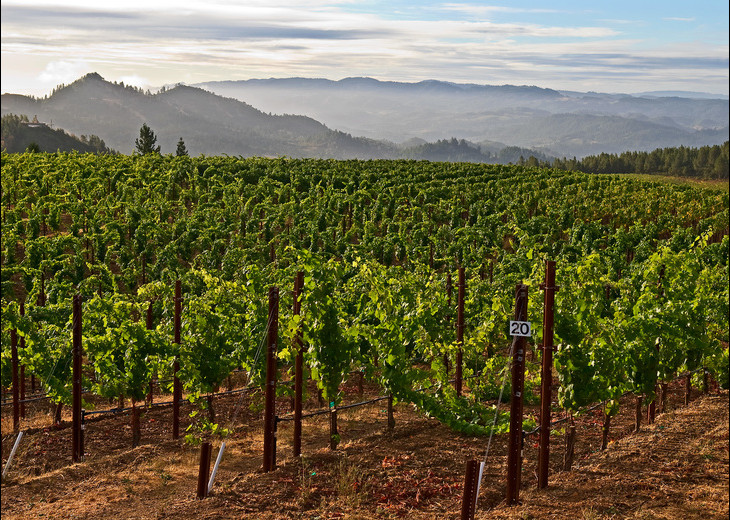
x=604 y=46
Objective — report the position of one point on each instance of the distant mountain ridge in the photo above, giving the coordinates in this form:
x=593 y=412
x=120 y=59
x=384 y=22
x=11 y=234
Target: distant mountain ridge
x=366 y=118
x=208 y=123
x=432 y=110
x=213 y=125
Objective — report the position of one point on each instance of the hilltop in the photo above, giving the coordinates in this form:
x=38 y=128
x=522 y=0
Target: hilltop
x=368 y=119
x=558 y=123
x=209 y=124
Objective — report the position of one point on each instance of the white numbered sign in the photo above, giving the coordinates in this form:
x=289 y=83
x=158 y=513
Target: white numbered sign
x=520 y=328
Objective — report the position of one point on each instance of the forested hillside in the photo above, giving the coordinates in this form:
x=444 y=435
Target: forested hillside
x=706 y=162
x=19 y=134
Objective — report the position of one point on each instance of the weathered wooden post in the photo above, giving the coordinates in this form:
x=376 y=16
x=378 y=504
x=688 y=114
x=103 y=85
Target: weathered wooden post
x=514 y=450
x=471 y=484
x=204 y=470
x=546 y=375
x=22 y=368
x=270 y=390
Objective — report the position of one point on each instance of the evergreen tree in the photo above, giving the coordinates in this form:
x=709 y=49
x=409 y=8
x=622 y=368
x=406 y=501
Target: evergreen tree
x=146 y=142
x=181 y=150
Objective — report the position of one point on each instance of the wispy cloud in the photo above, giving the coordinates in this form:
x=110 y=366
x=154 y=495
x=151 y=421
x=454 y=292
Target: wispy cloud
x=63 y=71
x=489 y=9
x=185 y=40
x=677 y=19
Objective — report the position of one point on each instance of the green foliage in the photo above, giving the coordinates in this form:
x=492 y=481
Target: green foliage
x=462 y=414
x=707 y=162
x=496 y=374
x=640 y=266
x=181 y=148
x=146 y=143
x=222 y=324
x=720 y=366
x=123 y=352
x=202 y=429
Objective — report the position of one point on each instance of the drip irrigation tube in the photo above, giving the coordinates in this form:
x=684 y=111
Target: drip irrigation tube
x=598 y=405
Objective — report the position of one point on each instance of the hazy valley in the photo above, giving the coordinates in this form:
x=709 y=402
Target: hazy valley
x=366 y=118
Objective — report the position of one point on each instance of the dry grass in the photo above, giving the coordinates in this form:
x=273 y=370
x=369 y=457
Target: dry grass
x=675 y=469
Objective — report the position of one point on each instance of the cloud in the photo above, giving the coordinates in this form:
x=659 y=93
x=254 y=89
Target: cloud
x=487 y=9
x=57 y=72
x=185 y=40
x=135 y=80
x=216 y=21
x=677 y=19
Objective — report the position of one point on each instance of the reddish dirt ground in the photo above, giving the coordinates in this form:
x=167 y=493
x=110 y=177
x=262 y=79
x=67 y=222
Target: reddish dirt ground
x=676 y=468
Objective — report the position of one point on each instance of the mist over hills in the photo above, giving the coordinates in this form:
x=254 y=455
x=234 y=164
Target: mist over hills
x=559 y=123
x=208 y=123
x=367 y=118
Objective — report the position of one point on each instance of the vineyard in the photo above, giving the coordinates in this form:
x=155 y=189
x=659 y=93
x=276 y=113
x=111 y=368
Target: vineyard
x=165 y=281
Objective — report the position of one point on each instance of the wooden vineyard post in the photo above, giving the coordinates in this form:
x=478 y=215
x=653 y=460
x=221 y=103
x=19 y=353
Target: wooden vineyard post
x=651 y=408
x=460 y=334
x=334 y=433
x=57 y=414
x=136 y=433
x=569 y=444
x=16 y=390
x=176 y=388
x=471 y=482
x=82 y=432
x=605 y=430
x=270 y=390
x=204 y=470
x=298 y=368
x=77 y=451
x=514 y=450
x=546 y=375
x=391 y=419
x=22 y=369
x=22 y=384
x=211 y=409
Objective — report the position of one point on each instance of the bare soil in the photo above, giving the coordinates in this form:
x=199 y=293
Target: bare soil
x=676 y=468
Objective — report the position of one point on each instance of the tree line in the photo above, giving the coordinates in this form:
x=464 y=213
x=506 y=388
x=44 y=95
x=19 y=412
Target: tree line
x=147 y=143
x=18 y=135
x=705 y=162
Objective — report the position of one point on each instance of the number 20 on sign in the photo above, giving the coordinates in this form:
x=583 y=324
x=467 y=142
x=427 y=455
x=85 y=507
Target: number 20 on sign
x=520 y=328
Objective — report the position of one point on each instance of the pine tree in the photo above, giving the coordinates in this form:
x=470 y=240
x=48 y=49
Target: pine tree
x=181 y=150
x=146 y=142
